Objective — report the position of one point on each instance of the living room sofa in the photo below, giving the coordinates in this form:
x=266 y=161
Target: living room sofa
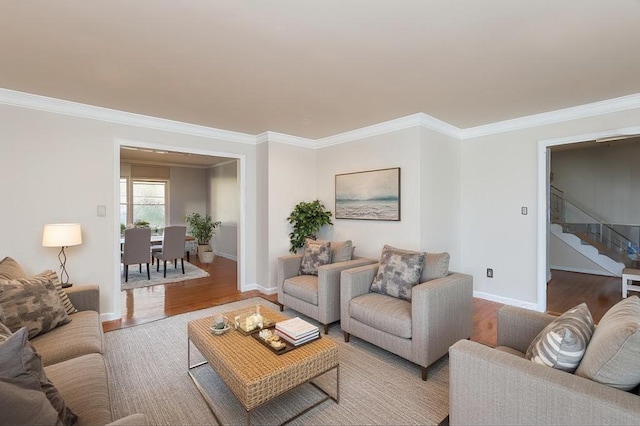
x=498 y=386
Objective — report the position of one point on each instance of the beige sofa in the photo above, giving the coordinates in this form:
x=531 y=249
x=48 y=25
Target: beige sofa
x=73 y=360
x=499 y=387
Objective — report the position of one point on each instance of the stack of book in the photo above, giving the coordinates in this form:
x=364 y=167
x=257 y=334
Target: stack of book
x=297 y=331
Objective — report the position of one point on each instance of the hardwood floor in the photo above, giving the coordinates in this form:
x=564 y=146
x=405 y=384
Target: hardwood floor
x=139 y=306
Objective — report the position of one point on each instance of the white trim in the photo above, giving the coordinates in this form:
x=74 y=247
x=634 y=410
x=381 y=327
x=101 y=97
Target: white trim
x=285 y=139
x=608 y=106
x=59 y=106
x=265 y=290
x=224 y=163
x=508 y=301
x=226 y=255
x=581 y=271
x=109 y=316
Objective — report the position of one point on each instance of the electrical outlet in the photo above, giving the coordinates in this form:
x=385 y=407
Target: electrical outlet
x=489 y=272
x=524 y=211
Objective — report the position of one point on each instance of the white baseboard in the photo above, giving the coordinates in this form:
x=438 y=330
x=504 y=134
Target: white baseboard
x=265 y=290
x=583 y=271
x=507 y=301
x=226 y=255
x=109 y=316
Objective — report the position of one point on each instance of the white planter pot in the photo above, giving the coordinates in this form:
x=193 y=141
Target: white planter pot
x=205 y=254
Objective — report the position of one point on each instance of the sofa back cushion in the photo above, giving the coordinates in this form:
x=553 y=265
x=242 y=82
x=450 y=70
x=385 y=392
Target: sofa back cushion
x=10 y=270
x=436 y=265
x=398 y=273
x=613 y=355
x=341 y=251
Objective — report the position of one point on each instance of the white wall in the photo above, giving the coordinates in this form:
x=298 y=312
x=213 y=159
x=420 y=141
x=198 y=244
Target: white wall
x=397 y=149
x=225 y=207
x=603 y=178
x=292 y=178
x=565 y=258
x=262 y=215
x=187 y=193
x=499 y=176
x=59 y=168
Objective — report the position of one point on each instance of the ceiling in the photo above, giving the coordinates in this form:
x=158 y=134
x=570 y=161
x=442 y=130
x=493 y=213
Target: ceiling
x=316 y=68
x=168 y=158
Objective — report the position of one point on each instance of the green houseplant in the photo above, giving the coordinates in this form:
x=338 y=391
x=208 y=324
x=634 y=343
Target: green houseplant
x=201 y=227
x=306 y=219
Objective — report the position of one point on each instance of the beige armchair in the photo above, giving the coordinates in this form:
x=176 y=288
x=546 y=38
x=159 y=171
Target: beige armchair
x=421 y=330
x=317 y=297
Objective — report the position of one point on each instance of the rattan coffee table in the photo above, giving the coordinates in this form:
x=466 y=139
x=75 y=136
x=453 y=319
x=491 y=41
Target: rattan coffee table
x=252 y=371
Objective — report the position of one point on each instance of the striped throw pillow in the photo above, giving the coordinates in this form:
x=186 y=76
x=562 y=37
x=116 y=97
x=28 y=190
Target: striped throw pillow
x=562 y=343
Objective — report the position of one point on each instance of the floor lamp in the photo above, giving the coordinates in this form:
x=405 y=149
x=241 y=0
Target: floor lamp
x=62 y=235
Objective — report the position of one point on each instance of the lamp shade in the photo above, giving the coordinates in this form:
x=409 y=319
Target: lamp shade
x=61 y=235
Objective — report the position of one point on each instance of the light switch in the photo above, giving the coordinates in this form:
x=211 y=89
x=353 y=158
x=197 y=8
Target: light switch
x=102 y=211
x=524 y=210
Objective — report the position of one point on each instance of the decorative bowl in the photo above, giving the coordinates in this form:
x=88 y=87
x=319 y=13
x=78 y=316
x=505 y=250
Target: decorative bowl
x=219 y=331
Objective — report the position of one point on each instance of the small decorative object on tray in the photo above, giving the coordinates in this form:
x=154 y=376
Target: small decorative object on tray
x=251 y=321
x=221 y=324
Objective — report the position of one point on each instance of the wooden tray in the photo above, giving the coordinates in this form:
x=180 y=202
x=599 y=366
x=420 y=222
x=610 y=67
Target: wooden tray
x=288 y=346
x=255 y=330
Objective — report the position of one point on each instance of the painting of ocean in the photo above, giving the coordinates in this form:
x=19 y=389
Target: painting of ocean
x=370 y=195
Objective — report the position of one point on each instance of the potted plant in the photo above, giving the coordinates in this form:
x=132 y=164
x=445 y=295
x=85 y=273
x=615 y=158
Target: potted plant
x=201 y=227
x=306 y=219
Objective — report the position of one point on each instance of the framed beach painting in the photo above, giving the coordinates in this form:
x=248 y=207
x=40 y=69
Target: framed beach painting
x=370 y=195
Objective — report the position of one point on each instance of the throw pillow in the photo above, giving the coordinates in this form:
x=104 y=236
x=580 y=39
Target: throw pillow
x=10 y=270
x=33 y=303
x=23 y=403
x=613 y=356
x=436 y=265
x=398 y=273
x=314 y=256
x=562 y=343
x=341 y=251
x=18 y=358
x=64 y=299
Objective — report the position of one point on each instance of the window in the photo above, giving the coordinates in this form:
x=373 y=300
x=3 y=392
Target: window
x=123 y=202
x=149 y=202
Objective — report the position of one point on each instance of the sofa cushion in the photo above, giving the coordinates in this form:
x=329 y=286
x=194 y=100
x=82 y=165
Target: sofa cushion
x=436 y=265
x=315 y=255
x=33 y=303
x=18 y=358
x=341 y=251
x=85 y=331
x=613 y=356
x=11 y=270
x=389 y=314
x=84 y=384
x=64 y=299
x=302 y=287
x=563 y=342
x=22 y=402
x=398 y=273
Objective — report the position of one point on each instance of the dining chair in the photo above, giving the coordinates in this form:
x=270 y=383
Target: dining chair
x=172 y=247
x=137 y=243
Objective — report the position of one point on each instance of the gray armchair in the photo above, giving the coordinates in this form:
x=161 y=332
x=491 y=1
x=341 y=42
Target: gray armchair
x=421 y=330
x=317 y=297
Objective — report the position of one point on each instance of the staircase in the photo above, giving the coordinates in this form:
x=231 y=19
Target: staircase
x=589 y=236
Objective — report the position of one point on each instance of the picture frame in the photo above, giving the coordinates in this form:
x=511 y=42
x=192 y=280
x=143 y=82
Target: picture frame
x=368 y=195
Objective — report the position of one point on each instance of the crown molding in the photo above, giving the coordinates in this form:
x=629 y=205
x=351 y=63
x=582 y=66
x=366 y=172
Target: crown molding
x=285 y=139
x=608 y=106
x=59 y=106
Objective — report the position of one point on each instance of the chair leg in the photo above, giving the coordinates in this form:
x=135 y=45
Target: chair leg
x=326 y=328
x=182 y=263
x=281 y=308
x=126 y=273
x=424 y=373
x=164 y=268
x=346 y=336
x=158 y=266
x=148 y=273
x=140 y=267
x=175 y=263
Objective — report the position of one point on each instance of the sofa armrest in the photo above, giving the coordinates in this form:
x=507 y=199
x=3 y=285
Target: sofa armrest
x=329 y=287
x=288 y=266
x=131 y=420
x=517 y=327
x=491 y=387
x=84 y=297
x=441 y=314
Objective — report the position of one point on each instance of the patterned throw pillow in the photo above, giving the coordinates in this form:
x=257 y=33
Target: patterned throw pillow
x=33 y=303
x=563 y=342
x=11 y=270
x=19 y=359
x=341 y=251
x=398 y=273
x=66 y=303
x=314 y=256
x=613 y=356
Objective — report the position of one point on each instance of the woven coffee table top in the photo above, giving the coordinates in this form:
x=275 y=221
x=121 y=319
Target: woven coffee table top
x=252 y=371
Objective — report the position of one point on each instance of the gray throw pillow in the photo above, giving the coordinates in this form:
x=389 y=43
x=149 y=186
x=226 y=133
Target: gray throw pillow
x=64 y=299
x=341 y=251
x=398 y=273
x=33 y=303
x=562 y=343
x=314 y=256
x=18 y=358
x=10 y=270
x=613 y=356
x=23 y=403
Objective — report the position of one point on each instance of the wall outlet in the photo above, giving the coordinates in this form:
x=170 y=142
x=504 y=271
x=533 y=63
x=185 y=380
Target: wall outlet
x=489 y=272
x=524 y=211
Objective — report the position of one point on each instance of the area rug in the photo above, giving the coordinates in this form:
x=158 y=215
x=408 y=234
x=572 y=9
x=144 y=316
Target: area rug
x=139 y=279
x=148 y=374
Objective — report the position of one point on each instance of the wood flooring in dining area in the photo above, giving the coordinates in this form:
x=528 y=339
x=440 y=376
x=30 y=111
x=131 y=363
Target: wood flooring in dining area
x=564 y=291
